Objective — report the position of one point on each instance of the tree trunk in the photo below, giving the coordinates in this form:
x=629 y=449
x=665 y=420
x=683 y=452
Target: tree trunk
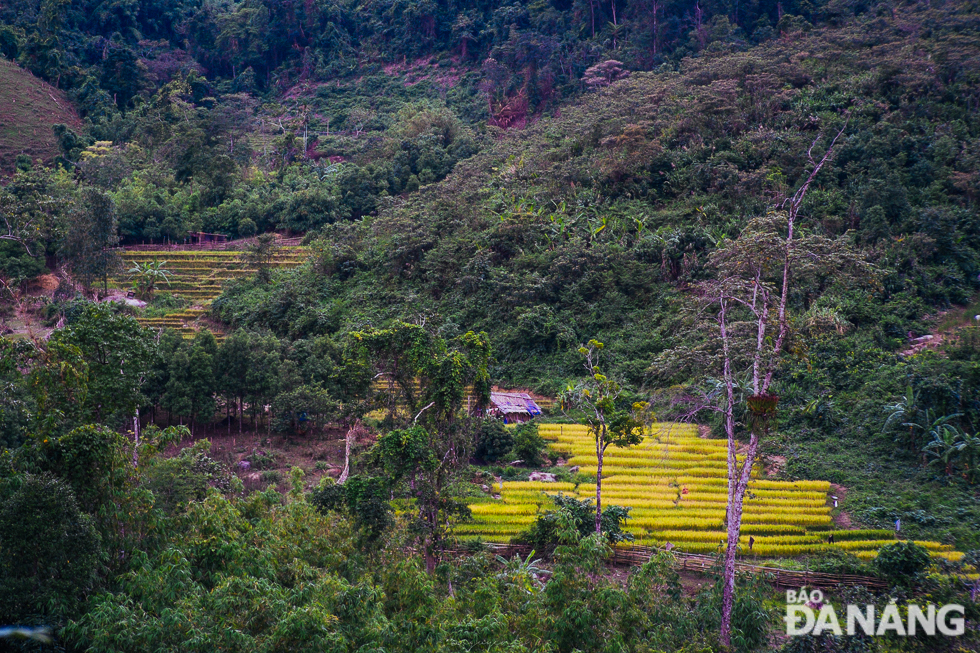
x=136 y=438
x=347 y=444
x=738 y=482
x=599 y=451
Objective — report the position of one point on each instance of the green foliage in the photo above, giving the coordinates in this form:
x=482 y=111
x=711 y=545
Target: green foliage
x=494 y=441
x=546 y=531
x=118 y=353
x=49 y=551
x=529 y=446
x=146 y=276
x=186 y=477
x=364 y=498
x=90 y=238
x=902 y=562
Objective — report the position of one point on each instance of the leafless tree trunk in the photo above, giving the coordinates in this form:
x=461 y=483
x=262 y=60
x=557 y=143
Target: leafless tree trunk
x=136 y=438
x=763 y=368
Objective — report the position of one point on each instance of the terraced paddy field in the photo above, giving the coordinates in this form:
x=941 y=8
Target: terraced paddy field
x=676 y=486
x=197 y=276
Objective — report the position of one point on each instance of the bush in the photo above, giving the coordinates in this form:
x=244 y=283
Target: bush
x=49 y=550
x=901 y=562
x=363 y=498
x=544 y=531
x=495 y=441
x=528 y=445
x=272 y=476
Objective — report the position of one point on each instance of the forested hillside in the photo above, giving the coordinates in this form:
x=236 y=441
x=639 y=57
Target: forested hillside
x=528 y=195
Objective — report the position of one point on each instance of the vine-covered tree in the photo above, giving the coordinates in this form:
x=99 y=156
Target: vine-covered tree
x=433 y=386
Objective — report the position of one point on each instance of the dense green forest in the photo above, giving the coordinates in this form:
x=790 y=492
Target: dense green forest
x=482 y=188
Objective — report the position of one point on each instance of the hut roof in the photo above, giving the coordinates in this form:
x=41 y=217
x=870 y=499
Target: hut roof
x=510 y=403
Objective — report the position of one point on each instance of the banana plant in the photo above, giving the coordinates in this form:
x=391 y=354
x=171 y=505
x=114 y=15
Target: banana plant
x=147 y=275
x=969 y=450
x=943 y=444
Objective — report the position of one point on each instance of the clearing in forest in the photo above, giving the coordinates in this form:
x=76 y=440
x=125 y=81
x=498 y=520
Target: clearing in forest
x=198 y=277
x=676 y=486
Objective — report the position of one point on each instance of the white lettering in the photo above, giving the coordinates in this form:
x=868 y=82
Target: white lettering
x=958 y=626
x=827 y=620
x=867 y=620
x=816 y=596
x=890 y=620
x=793 y=613
x=927 y=621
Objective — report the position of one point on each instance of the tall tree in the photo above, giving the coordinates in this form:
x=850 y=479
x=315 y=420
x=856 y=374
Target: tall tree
x=119 y=353
x=742 y=327
x=90 y=236
x=429 y=377
x=610 y=423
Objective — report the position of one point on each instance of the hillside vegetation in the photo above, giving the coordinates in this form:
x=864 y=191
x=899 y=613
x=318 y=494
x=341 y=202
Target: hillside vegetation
x=29 y=108
x=527 y=195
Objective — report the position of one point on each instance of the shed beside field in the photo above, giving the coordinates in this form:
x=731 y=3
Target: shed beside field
x=512 y=407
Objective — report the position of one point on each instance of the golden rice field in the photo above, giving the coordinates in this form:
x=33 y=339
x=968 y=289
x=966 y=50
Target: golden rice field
x=676 y=485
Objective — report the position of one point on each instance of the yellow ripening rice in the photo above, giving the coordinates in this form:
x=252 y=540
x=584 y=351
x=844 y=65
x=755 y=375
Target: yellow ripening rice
x=706 y=497
x=698 y=547
x=634 y=479
x=516 y=520
x=800 y=503
x=866 y=555
x=536 y=485
x=667 y=504
x=489 y=529
x=654 y=471
x=503 y=509
x=644 y=494
x=633 y=483
x=797 y=520
x=783 y=549
x=697 y=480
x=772 y=529
x=777 y=494
x=816 y=486
x=689 y=536
x=540 y=499
x=651 y=504
x=750 y=509
x=782 y=539
x=673 y=523
x=877 y=544
x=636 y=492
x=952 y=556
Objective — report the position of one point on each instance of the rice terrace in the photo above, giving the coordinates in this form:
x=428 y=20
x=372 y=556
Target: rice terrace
x=675 y=484
x=512 y=326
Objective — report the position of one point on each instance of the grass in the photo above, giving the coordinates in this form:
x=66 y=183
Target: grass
x=29 y=108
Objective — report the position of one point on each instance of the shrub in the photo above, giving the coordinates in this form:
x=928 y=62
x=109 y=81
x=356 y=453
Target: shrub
x=272 y=476
x=529 y=445
x=495 y=441
x=49 y=550
x=901 y=562
x=544 y=531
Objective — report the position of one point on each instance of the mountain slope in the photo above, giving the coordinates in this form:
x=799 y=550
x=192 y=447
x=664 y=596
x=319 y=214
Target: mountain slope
x=29 y=107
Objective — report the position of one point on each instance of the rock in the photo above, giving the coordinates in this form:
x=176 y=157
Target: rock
x=542 y=477
x=485 y=488
x=573 y=470
x=244 y=465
